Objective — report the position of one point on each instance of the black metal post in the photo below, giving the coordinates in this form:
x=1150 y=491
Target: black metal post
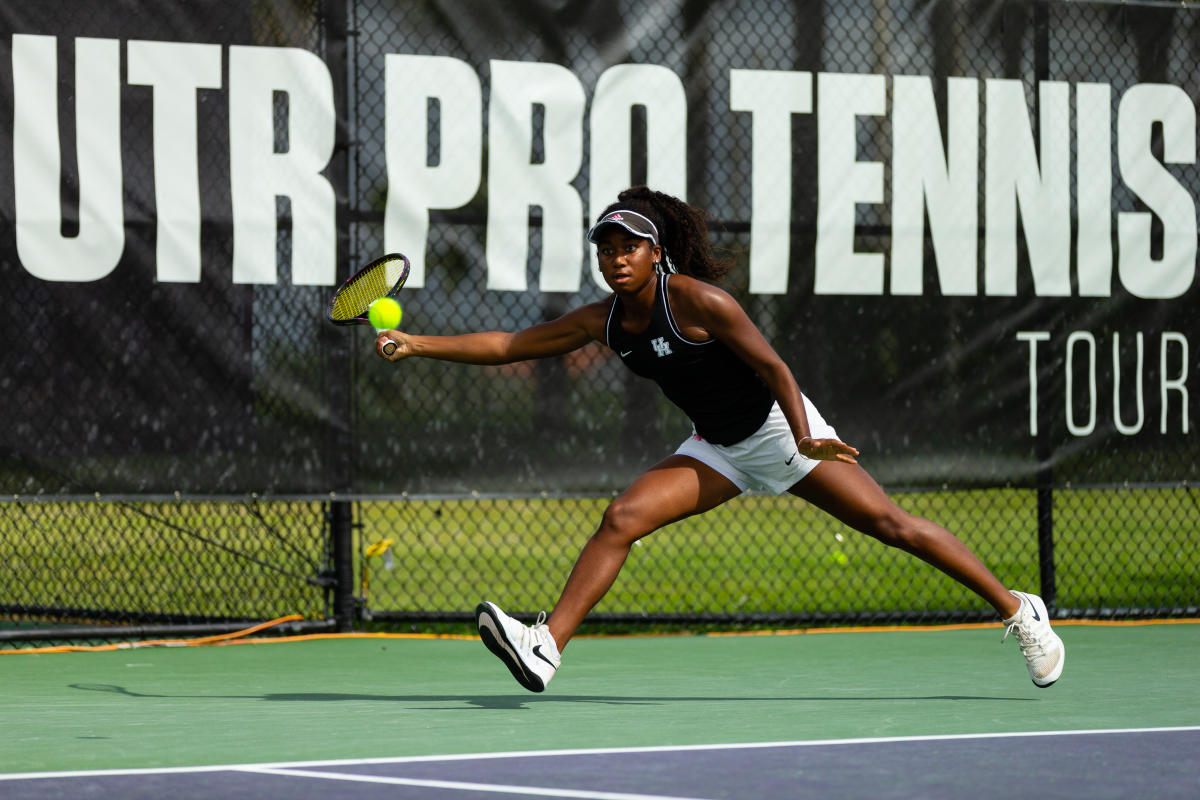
x=1044 y=446
x=341 y=528
x=1045 y=523
x=341 y=512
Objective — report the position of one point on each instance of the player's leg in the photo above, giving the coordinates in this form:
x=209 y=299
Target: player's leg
x=847 y=492
x=675 y=488
x=850 y=494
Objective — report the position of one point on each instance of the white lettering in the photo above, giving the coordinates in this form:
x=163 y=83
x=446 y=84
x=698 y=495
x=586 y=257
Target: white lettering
x=933 y=169
x=1128 y=430
x=944 y=180
x=661 y=93
x=1015 y=180
x=1141 y=107
x=771 y=98
x=258 y=174
x=176 y=71
x=414 y=185
x=1033 y=337
x=1090 y=341
x=515 y=183
x=1168 y=382
x=1176 y=384
x=843 y=182
x=37 y=165
x=1094 y=189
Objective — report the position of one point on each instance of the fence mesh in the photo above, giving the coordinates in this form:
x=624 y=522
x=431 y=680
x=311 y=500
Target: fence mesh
x=1066 y=459
x=150 y=565
x=759 y=559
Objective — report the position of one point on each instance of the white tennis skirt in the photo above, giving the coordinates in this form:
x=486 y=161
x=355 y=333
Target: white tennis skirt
x=767 y=459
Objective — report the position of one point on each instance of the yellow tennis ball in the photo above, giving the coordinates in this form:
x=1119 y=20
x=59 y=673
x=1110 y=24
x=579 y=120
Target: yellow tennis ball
x=384 y=314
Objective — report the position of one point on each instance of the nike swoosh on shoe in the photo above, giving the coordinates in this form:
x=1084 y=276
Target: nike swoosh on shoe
x=537 y=651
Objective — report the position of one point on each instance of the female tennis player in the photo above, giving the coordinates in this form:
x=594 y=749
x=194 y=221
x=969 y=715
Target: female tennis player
x=753 y=428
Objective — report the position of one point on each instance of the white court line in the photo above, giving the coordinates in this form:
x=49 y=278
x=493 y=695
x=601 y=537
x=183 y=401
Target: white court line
x=464 y=785
x=339 y=762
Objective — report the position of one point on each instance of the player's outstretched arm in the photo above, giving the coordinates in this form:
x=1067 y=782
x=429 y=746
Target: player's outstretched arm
x=569 y=332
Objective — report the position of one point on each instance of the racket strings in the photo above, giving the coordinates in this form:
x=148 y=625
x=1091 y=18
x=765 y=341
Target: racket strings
x=356 y=296
x=382 y=278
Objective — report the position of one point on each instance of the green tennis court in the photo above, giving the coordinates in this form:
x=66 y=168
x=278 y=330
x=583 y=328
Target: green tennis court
x=388 y=698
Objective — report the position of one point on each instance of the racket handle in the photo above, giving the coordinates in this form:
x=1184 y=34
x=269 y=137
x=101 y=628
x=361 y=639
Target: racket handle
x=388 y=348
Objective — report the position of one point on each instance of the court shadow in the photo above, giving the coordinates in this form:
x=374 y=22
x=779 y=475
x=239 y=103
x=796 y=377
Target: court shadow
x=525 y=700
x=465 y=702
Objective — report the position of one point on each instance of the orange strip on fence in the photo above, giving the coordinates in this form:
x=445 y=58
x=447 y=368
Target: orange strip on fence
x=238 y=637
x=959 y=627
x=219 y=638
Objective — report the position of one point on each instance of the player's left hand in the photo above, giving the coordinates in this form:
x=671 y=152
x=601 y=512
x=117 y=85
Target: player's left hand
x=827 y=450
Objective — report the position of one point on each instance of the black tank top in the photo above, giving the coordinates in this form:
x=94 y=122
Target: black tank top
x=725 y=399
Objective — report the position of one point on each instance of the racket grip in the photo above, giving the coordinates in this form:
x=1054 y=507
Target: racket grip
x=388 y=348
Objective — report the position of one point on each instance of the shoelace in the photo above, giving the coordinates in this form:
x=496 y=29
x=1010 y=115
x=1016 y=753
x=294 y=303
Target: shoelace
x=1031 y=646
x=528 y=635
x=534 y=634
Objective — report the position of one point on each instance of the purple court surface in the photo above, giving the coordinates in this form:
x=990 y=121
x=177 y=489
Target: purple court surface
x=1058 y=764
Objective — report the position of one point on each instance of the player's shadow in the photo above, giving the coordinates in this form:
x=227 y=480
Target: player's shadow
x=519 y=701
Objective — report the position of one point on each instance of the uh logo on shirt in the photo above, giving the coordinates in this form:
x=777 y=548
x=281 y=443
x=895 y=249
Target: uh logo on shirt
x=661 y=346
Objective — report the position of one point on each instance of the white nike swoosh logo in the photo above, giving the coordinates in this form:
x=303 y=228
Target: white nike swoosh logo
x=627 y=352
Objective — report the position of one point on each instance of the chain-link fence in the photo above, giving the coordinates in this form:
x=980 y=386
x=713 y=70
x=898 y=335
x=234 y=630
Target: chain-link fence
x=155 y=566
x=969 y=228
x=1117 y=552
x=151 y=566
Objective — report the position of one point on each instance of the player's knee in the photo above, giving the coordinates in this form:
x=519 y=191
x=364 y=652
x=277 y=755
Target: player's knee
x=897 y=528
x=621 y=522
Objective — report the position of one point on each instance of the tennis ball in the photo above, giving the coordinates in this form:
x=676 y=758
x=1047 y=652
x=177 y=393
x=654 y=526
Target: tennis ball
x=384 y=314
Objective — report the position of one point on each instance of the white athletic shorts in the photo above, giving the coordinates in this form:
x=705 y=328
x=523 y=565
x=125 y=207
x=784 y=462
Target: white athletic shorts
x=766 y=459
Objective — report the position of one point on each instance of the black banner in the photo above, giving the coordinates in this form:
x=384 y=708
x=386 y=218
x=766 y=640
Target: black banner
x=970 y=229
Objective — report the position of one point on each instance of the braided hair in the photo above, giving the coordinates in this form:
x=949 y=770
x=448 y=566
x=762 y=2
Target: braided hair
x=682 y=232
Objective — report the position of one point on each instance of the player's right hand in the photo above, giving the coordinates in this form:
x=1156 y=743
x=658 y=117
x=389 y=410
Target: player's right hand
x=403 y=348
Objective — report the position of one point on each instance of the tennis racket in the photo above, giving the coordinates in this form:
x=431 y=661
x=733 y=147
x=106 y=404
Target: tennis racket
x=383 y=277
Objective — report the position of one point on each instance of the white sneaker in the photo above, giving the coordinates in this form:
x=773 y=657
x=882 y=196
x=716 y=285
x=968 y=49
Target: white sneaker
x=529 y=652
x=1043 y=650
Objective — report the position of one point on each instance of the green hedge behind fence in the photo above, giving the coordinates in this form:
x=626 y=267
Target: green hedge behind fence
x=105 y=566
